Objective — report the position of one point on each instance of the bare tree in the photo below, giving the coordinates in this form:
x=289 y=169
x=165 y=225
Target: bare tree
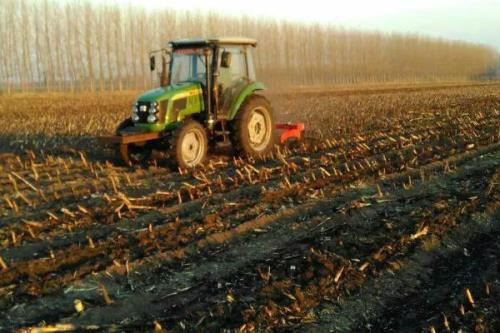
x=117 y=25
x=89 y=47
x=68 y=45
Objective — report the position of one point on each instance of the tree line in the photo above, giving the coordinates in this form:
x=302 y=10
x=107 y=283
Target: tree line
x=75 y=46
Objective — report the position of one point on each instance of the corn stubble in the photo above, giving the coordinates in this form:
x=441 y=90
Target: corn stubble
x=110 y=227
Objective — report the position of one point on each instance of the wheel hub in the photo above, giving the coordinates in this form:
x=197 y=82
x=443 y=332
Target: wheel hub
x=192 y=148
x=258 y=129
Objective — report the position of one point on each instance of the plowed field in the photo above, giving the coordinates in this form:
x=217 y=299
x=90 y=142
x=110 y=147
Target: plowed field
x=384 y=219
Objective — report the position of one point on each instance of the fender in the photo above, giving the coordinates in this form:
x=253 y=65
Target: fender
x=247 y=91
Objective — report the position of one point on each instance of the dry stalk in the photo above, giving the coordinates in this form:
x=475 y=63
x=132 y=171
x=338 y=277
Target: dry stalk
x=127 y=267
x=83 y=210
x=35 y=173
x=127 y=177
x=105 y=294
x=3 y=264
x=16 y=207
x=113 y=183
x=91 y=242
x=128 y=203
x=446 y=323
x=67 y=212
x=420 y=233
x=364 y=266
x=250 y=180
x=20 y=195
x=339 y=274
x=107 y=198
x=468 y=294
x=325 y=173
x=287 y=182
x=30 y=231
x=84 y=160
x=7 y=200
x=14 y=183
x=51 y=215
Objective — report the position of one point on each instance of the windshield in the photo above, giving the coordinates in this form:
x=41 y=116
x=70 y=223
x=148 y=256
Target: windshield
x=188 y=65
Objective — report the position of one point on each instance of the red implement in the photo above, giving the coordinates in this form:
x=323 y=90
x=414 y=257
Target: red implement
x=290 y=131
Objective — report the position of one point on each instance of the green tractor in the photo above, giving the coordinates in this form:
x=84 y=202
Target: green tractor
x=207 y=94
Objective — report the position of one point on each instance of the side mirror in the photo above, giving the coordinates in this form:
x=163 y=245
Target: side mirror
x=225 y=59
x=152 y=63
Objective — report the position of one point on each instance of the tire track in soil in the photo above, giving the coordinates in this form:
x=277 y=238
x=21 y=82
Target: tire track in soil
x=431 y=286
x=271 y=248
x=451 y=275
x=314 y=164
x=442 y=132
x=268 y=315
x=384 y=149
x=87 y=266
x=471 y=262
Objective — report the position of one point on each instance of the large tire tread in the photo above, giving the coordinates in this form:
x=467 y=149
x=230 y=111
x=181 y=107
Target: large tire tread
x=175 y=154
x=239 y=137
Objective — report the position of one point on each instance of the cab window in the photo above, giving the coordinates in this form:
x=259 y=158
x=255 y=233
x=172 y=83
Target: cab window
x=238 y=68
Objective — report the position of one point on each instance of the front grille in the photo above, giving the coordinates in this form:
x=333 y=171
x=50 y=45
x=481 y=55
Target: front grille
x=143 y=115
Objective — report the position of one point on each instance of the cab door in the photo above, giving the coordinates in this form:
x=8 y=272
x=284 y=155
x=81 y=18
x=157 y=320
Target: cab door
x=233 y=78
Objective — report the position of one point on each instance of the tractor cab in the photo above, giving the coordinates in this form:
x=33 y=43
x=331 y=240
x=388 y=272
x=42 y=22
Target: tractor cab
x=207 y=93
x=221 y=67
x=231 y=65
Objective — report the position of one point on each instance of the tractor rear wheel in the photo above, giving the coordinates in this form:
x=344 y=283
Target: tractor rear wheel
x=189 y=145
x=252 y=130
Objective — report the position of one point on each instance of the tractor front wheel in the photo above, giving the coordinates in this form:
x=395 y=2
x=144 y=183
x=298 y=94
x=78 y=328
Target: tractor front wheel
x=252 y=130
x=189 y=145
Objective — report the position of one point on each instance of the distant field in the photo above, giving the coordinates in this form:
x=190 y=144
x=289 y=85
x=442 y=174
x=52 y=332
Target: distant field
x=385 y=218
x=65 y=121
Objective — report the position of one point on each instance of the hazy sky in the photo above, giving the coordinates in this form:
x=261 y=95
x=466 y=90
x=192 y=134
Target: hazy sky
x=471 y=20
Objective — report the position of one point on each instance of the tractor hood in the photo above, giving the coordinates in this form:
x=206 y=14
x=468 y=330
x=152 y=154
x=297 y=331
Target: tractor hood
x=172 y=104
x=169 y=92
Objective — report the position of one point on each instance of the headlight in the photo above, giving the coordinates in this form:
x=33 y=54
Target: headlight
x=135 y=118
x=151 y=118
x=135 y=109
x=154 y=107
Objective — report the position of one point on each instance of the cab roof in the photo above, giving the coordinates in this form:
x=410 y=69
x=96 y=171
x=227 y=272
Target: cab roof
x=211 y=41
